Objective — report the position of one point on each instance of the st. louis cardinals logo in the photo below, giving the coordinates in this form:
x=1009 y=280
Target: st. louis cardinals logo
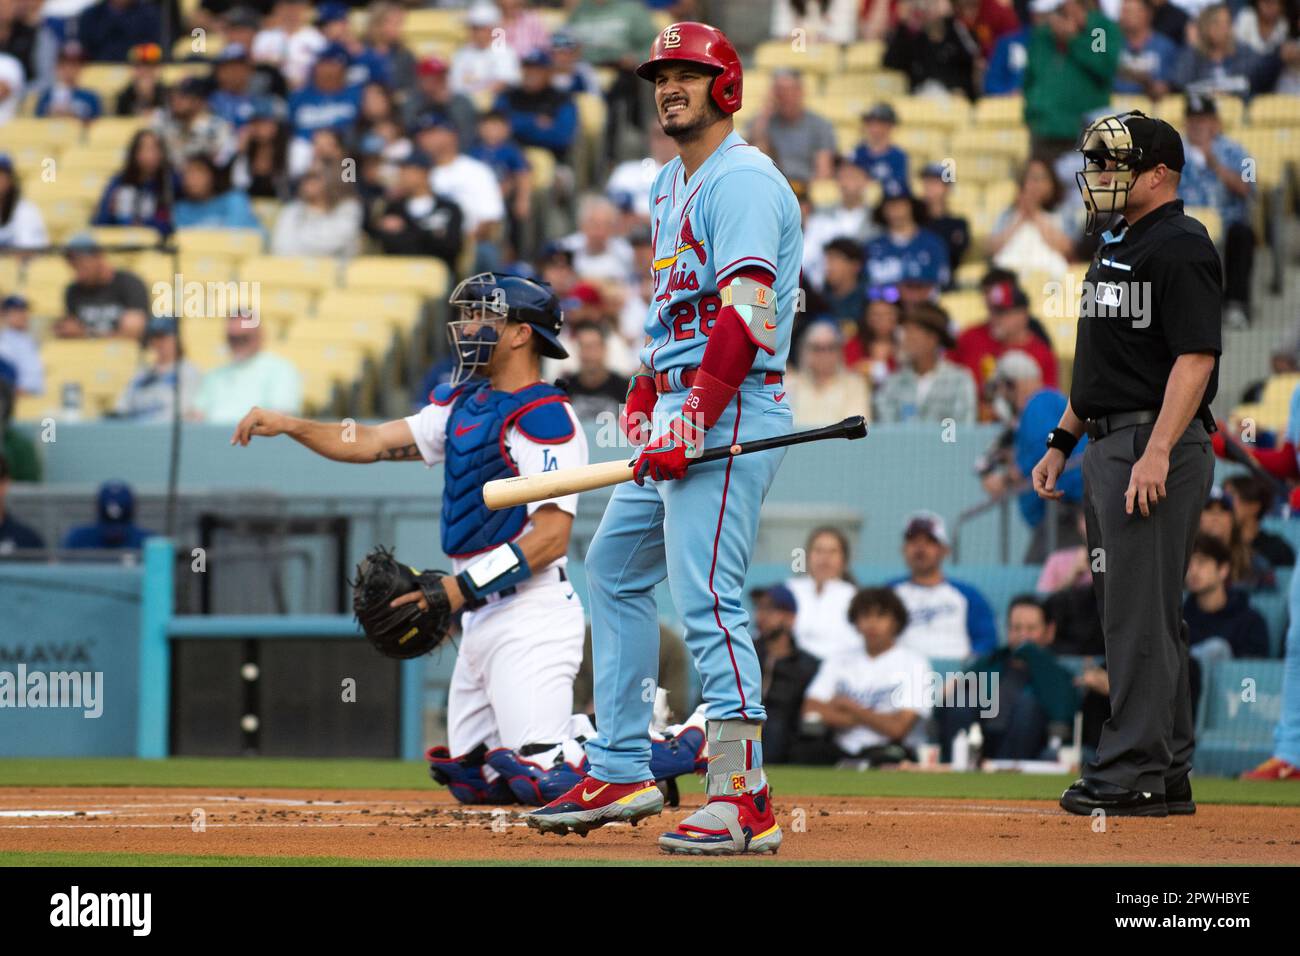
x=686 y=242
x=672 y=38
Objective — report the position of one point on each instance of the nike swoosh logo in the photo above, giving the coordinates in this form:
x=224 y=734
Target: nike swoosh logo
x=779 y=395
x=466 y=429
x=770 y=326
x=589 y=796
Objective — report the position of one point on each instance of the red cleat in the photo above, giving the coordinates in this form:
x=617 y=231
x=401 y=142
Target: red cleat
x=726 y=826
x=592 y=803
x=1274 y=768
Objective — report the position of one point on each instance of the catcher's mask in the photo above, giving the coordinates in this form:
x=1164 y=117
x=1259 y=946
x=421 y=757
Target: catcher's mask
x=1109 y=154
x=482 y=305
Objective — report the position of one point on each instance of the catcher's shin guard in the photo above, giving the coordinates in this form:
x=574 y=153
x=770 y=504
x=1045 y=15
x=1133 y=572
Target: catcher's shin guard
x=463 y=776
x=738 y=816
x=536 y=783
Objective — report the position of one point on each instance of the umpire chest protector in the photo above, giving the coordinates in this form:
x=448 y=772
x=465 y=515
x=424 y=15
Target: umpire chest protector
x=476 y=453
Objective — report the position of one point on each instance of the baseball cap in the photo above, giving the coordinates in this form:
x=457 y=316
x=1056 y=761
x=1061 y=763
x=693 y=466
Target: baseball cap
x=1041 y=7
x=116 y=502
x=932 y=318
x=6 y=163
x=1220 y=497
x=331 y=12
x=483 y=15
x=334 y=52
x=245 y=17
x=1201 y=104
x=1159 y=142
x=233 y=53
x=144 y=53
x=920 y=271
x=1004 y=295
x=192 y=86
x=564 y=40
x=433 y=120
x=81 y=243
x=782 y=598
x=536 y=58
x=1016 y=365
x=160 y=325
x=14 y=301
x=928 y=523
x=417 y=157
x=882 y=112
x=432 y=66
x=934 y=171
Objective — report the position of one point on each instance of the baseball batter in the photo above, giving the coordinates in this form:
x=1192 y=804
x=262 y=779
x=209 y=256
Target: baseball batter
x=510 y=728
x=727 y=248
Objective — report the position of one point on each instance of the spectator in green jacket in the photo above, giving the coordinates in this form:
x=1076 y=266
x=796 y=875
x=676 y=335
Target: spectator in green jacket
x=1072 y=59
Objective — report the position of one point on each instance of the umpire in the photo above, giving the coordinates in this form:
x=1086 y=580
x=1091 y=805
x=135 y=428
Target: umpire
x=1145 y=370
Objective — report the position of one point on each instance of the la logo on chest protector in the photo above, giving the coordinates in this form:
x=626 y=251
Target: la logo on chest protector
x=75 y=909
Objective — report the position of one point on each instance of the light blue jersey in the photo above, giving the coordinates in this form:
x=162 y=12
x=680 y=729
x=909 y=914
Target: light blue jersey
x=737 y=210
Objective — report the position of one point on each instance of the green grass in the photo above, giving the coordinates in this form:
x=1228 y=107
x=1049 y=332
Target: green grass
x=264 y=773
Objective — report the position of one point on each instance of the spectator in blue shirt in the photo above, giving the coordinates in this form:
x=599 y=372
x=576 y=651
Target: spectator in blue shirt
x=904 y=252
x=538 y=113
x=365 y=65
x=110 y=28
x=883 y=161
x=1006 y=70
x=498 y=150
x=232 y=100
x=1218 y=64
x=142 y=193
x=1213 y=177
x=572 y=74
x=327 y=101
x=1148 y=59
x=207 y=203
x=115 y=526
x=64 y=97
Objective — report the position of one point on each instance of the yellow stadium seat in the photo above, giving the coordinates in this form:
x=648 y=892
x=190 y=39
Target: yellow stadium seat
x=154 y=268
x=542 y=163
x=35 y=408
x=1209 y=218
x=121 y=236
x=106 y=79
x=208 y=267
x=804 y=58
x=284 y=306
x=33 y=161
x=399 y=309
x=294 y=272
x=9 y=274
x=925 y=144
x=966 y=307
x=968 y=274
x=113 y=132
x=1000 y=111
x=1001 y=141
x=440 y=47
x=425 y=277
x=981 y=168
x=1275 y=109
x=1123 y=102
x=372 y=336
x=57 y=132
x=1274 y=406
x=839 y=110
x=861 y=88
x=174 y=73
x=444 y=23
x=235 y=243
x=942 y=112
x=967 y=196
x=206 y=44
x=863 y=57
x=823 y=193
x=1265 y=149
x=591 y=114
x=847 y=137
x=998 y=195
x=48 y=270
x=81 y=160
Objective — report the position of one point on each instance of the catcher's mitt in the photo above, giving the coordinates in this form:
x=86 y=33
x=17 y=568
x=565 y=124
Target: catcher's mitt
x=403 y=631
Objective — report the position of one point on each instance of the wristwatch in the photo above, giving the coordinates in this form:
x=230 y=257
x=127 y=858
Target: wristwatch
x=1062 y=440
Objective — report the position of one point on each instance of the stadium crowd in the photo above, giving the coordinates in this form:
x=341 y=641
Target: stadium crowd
x=321 y=130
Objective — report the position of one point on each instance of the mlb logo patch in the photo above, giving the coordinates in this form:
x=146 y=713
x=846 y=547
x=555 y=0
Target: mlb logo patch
x=1109 y=294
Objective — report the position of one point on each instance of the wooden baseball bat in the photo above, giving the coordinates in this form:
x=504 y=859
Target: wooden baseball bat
x=522 y=489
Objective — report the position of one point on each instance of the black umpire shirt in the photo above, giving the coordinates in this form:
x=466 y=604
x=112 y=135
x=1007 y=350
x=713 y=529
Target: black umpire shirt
x=1152 y=293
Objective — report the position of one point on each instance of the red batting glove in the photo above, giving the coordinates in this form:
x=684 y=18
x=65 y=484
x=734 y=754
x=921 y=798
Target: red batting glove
x=638 y=408
x=666 y=458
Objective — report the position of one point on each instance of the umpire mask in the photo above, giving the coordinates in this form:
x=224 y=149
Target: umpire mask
x=1111 y=163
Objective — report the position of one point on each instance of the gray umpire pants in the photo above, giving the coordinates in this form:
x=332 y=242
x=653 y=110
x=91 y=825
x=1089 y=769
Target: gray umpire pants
x=1149 y=737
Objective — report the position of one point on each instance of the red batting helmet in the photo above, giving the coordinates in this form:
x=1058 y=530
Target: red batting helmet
x=703 y=44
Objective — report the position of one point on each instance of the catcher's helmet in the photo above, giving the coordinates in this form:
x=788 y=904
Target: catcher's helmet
x=488 y=296
x=1120 y=148
x=703 y=44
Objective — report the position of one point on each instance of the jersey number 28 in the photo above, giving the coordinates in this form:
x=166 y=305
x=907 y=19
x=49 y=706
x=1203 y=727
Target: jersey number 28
x=684 y=315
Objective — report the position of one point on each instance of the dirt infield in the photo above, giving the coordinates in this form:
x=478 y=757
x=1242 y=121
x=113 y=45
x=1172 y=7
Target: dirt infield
x=389 y=824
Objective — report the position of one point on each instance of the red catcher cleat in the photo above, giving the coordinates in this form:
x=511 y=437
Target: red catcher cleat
x=1274 y=768
x=593 y=803
x=726 y=826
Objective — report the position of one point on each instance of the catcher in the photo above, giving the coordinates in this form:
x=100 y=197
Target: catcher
x=510 y=728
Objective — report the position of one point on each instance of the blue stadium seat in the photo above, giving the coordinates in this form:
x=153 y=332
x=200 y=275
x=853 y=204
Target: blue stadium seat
x=1234 y=734
x=1273 y=606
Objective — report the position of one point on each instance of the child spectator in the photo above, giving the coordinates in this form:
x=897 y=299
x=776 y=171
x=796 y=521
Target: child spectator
x=65 y=97
x=873 y=698
x=207 y=202
x=883 y=161
x=1220 y=620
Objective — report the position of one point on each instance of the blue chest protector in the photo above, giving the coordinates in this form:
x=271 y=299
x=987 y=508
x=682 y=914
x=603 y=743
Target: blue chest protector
x=476 y=453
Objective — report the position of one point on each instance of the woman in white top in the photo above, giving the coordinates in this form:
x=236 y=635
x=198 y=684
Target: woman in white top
x=1030 y=236
x=325 y=219
x=21 y=224
x=822 y=626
